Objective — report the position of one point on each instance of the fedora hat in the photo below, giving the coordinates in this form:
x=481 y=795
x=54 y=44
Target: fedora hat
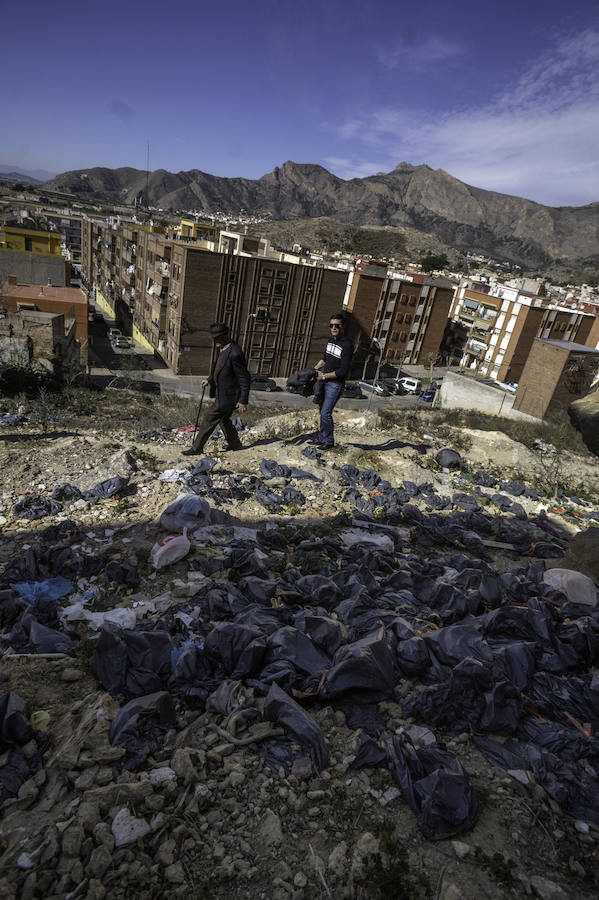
x=219 y=329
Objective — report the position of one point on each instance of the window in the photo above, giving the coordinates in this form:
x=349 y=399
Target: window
x=407 y=319
x=395 y=336
x=399 y=318
x=403 y=336
x=265 y=284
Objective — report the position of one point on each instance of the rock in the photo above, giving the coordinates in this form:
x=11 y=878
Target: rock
x=364 y=850
x=450 y=891
x=72 y=839
x=578 y=587
x=584 y=415
x=175 y=874
x=24 y=862
x=582 y=554
x=581 y=827
x=88 y=815
x=270 y=830
x=28 y=790
x=112 y=794
x=460 y=849
x=166 y=852
x=301 y=767
x=182 y=765
x=162 y=776
x=300 y=880
x=547 y=890
x=70 y=675
x=337 y=862
x=99 y=861
x=127 y=829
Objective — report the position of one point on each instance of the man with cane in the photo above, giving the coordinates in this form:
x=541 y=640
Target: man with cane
x=229 y=384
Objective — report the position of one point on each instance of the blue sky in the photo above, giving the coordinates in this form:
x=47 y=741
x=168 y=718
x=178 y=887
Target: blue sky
x=504 y=96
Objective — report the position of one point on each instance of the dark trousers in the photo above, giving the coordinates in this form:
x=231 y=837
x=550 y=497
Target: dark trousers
x=216 y=416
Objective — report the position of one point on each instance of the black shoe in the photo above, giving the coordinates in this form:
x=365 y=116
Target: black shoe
x=313 y=440
x=191 y=452
x=231 y=449
x=325 y=446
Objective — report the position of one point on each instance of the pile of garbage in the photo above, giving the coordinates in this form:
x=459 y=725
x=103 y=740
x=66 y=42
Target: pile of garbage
x=392 y=617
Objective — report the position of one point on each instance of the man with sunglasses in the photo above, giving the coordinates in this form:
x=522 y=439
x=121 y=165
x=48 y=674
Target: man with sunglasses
x=332 y=370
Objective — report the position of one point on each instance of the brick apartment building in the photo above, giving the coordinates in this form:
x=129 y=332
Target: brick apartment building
x=71 y=302
x=501 y=328
x=556 y=373
x=406 y=313
x=166 y=291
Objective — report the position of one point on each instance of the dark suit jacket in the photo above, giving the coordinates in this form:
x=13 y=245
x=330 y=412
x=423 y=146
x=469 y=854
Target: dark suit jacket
x=230 y=383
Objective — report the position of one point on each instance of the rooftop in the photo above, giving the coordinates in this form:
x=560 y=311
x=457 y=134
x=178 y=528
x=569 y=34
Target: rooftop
x=24 y=291
x=570 y=346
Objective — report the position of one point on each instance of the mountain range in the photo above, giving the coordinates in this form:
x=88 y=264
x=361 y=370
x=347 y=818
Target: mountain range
x=432 y=201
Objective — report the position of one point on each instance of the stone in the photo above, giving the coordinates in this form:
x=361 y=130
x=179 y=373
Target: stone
x=300 y=880
x=337 y=862
x=183 y=766
x=578 y=587
x=460 y=849
x=28 y=790
x=72 y=839
x=99 y=861
x=546 y=889
x=584 y=415
x=301 y=767
x=175 y=874
x=162 y=776
x=582 y=554
x=365 y=849
x=24 y=862
x=450 y=891
x=70 y=675
x=270 y=829
x=127 y=829
x=166 y=852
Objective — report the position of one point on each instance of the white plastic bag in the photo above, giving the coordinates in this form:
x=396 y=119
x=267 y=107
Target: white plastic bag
x=169 y=549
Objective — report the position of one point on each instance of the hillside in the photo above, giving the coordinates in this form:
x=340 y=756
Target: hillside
x=256 y=719
x=416 y=197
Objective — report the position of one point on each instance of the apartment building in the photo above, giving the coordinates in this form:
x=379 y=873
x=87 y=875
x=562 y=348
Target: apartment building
x=556 y=373
x=167 y=290
x=407 y=314
x=502 y=325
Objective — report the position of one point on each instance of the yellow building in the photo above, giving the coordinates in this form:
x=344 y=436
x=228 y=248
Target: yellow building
x=195 y=231
x=45 y=243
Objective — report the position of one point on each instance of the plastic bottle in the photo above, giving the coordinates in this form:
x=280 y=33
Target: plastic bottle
x=169 y=549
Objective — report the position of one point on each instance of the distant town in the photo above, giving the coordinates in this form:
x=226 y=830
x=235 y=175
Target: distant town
x=159 y=280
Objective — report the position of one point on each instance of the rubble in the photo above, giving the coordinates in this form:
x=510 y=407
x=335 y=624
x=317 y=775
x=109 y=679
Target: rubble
x=393 y=679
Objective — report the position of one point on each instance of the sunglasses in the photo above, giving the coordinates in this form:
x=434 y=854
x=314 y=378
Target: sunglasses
x=334 y=325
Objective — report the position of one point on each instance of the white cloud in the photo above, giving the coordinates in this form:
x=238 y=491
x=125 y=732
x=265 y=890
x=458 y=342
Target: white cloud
x=538 y=139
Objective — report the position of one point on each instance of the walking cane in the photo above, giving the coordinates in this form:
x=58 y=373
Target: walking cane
x=198 y=415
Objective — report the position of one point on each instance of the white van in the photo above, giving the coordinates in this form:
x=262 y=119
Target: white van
x=410 y=385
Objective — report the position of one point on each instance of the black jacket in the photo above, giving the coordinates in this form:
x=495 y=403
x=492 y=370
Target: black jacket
x=230 y=380
x=337 y=357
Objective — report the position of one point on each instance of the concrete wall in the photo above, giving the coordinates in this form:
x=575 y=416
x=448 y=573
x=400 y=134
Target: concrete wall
x=464 y=392
x=33 y=268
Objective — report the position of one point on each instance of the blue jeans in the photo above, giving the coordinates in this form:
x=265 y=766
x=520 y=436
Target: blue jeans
x=332 y=392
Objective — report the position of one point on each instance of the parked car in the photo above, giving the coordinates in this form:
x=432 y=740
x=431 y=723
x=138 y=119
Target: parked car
x=97 y=317
x=410 y=385
x=428 y=396
x=375 y=388
x=352 y=391
x=262 y=383
x=121 y=342
x=114 y=333
x=393 y=385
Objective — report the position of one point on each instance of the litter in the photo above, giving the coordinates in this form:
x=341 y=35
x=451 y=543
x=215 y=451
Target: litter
x=36 y=506
x=169 y=549
x=187 y=511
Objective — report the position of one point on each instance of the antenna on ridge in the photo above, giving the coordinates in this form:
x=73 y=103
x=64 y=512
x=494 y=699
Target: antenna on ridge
x=147 y=173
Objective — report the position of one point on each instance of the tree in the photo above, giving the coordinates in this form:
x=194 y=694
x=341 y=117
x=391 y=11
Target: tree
x=434 y=261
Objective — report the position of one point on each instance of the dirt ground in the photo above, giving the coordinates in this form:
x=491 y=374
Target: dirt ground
x=219 y=822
